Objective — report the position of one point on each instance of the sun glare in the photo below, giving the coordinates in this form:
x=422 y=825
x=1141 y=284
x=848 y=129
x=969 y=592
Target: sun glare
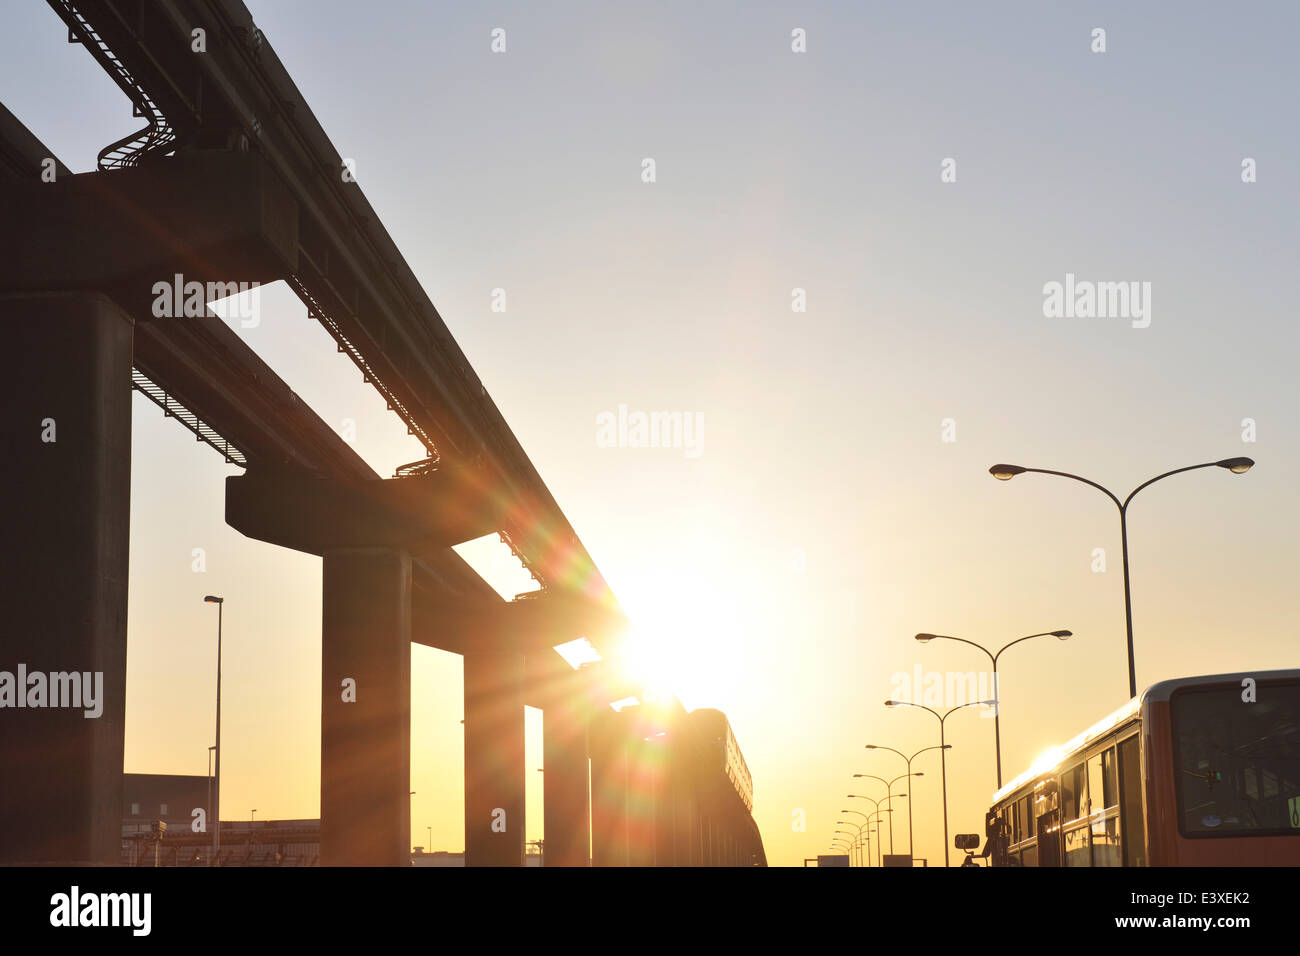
x=684 y=642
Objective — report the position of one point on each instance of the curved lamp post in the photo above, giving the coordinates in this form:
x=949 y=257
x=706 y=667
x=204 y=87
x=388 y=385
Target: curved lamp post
x=997 y=709
x=943 y=753
x=889 y=785
x=842 y=844
x=911 y=853
x=859 y=813
x=879 y=838
x=1238 y=466
x=858 y=841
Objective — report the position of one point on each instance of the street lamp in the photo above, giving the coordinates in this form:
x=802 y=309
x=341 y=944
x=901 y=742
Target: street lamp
x=216 y=796
x=997 y=708
x=879 y=840
x=859 y=813
x=858 y=827
x=943 y=754
x=1238 y=466
x=876 y=803
x=911 y=853
x=852 y=843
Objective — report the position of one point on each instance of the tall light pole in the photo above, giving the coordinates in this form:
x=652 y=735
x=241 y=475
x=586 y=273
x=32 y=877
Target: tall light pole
x=851 y=839
x=859 y=813
x=879 y=838
x=216 y=789
x=997 y=706
x=943 y=755
x=1238 y=466
x=911 y=853
x=842 y=843
x=208 y=808
x=876 y=803
x=858 y=844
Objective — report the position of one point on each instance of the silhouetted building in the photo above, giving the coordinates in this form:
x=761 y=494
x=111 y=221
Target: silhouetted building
x=150 y=798
x=169 y=797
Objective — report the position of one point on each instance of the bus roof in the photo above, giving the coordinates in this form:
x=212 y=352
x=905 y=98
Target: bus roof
x=1160 y=691
x=1055 y=755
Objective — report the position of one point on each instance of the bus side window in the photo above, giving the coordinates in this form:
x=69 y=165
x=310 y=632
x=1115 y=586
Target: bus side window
x=1105 y=821
x=1072 y=793
x=1133 y=836
x=1101 y=781
x=1078 y=848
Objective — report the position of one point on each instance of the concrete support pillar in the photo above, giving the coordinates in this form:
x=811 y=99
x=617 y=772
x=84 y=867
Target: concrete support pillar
x=494 y=757
x=646 y=773
x=65 y=441
x=666 y=816
x=366 y=708
x=566 y=784
x=609 y=788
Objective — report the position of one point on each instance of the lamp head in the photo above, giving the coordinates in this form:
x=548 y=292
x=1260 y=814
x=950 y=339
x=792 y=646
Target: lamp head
x=925 y=638
x=213 y=599
x=1238 y=466
x=1006 y=472
x=1062 y=635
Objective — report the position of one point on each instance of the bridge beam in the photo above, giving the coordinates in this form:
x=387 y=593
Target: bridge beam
x=66 y=442
x=366 y=724
x=421 y=514
x=209 y=216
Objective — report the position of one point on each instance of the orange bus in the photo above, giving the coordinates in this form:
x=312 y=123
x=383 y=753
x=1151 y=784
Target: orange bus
x=1200 y=771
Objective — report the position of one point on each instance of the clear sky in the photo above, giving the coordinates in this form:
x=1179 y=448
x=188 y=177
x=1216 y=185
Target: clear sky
x=783 y=569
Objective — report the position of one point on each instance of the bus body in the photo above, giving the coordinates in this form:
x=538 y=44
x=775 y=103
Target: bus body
x=1199 y=771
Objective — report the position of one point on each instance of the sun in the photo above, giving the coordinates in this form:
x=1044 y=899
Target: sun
x=684 y=641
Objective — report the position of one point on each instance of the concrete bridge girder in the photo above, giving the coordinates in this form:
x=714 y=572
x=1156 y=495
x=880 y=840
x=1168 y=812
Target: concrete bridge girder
x=210 y=217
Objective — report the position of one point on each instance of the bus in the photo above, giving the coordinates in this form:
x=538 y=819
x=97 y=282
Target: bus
x=1199 y=771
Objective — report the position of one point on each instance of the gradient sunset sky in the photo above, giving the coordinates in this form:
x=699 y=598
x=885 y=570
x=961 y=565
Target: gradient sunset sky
x=784 y=570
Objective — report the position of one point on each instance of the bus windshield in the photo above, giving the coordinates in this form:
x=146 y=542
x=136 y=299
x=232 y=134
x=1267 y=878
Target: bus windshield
x=1237 y=760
